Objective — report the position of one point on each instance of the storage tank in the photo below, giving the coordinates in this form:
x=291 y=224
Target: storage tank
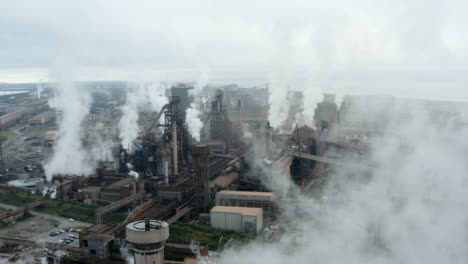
x=148 y=238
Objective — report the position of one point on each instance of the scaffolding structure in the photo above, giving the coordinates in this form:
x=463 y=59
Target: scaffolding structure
x=201 y=161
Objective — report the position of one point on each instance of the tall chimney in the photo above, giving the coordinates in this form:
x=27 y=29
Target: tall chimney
x=174 y=147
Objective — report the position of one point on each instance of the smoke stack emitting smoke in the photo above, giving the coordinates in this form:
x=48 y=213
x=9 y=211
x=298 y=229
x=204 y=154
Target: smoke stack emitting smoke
x=139 y=97
x=73 y=105
x=128 y=124
x=193 y=114
x=411 y=209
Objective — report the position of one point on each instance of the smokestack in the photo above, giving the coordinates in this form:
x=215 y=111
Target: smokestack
x=166 y=170
x=174 y=147
x=268 y=138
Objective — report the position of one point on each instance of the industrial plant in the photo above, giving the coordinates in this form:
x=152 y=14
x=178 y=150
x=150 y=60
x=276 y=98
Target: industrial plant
x=177 y=193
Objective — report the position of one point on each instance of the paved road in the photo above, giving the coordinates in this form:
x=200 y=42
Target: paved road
x=63 y=223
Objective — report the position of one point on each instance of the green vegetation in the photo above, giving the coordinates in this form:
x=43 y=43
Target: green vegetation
x=7 y=133
x=15 y=198
x=206 y=235
x=75 y=210
x=116 y=217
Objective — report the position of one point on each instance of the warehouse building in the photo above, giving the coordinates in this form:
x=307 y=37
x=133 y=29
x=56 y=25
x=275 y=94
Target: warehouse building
x=121 y=189
x=265 y=200
x=42 y=118
x=94 y=241
x=241 y=219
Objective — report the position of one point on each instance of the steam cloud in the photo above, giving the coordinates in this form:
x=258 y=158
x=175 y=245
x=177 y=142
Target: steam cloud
x=192 y=114
x=279 y=106
x=128 y=123
x=142 y=96
x=73 y=105
x=193 y=121
x=410 y=209
x=39 y=89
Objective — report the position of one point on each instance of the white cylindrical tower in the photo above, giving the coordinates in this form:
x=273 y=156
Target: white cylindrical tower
x=148 y=238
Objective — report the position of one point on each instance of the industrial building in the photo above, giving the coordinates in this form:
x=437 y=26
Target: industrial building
x=265 y=200
x=241 y=219
x=227 y=180
x=118 y=190
x=94 y=241
x=42 y=118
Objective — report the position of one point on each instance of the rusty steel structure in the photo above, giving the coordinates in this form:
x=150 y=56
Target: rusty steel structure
x=21 y=210
x=116 y=205
x=220 y=124
x=201 y=180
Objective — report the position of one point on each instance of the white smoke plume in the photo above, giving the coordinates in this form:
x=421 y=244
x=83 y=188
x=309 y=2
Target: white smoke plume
x=39 y=89
x=193 y=114
x=73 y=105
x=128 y=124
x=133 y=174
x=102 y=151
x=52 y=190
x=278 y=92
x=339 y=100
x=143 y=96
x=408 y=209
x=127 y=255
x=53 y=195
x=193 y=121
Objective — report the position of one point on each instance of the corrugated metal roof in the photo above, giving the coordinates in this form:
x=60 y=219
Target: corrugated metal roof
x=237 y=210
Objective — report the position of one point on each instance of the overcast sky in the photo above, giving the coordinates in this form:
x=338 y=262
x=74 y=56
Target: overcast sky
x=414 y=47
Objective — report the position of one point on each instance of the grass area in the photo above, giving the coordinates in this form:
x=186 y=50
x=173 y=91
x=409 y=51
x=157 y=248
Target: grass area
x=206 y=235
x=77 y=211
x=70 y=209
x=115 y=217
x=7 y=133
x=11 y=197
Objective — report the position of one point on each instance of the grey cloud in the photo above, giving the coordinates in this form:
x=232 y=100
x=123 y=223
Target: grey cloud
x=358 y=42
